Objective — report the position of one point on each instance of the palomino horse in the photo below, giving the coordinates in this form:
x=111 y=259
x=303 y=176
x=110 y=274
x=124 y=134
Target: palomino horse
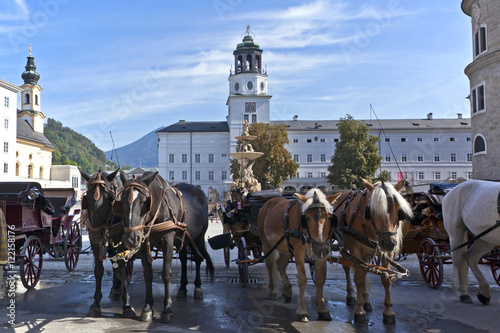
x=370 y=226
x=473 y=206
x=101 y=192
x=307 y=227
x=156 y=214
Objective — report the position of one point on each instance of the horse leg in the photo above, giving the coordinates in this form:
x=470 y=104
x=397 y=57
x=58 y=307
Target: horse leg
x=367 y=305
x=116 y=290
x=95 y=308
x=302 y=314
x=182 y=291
x=281 y=264
x=472 y=257
x=198 y=292
x=457 y=237
x=167 y=316
x=389 y=317
x=272 y=271
x=323 y=313
x=147 y=311
x=350 y=298
x=359 y=280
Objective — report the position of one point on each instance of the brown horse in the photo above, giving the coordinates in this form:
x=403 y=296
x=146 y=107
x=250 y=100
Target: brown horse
x=297 y=228
x=370 y=224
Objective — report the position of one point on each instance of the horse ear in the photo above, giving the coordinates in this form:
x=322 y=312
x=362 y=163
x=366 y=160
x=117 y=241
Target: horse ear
x=369 y=186
x=148 y=180
x=112 y=176
x=85 y=202
x=331 y=198
x=123 y=177
x=301 y=197
x=400 y=184
x=85 y=175
x=118 y=208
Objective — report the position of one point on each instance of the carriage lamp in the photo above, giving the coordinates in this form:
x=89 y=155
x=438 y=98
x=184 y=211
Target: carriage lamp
x=32 y=194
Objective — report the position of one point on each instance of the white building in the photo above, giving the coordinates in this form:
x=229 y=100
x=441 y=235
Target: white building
x=421 y=150
x=8 y=107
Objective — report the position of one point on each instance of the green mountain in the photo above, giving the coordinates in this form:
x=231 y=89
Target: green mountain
x=140 y=153
x=75 y=149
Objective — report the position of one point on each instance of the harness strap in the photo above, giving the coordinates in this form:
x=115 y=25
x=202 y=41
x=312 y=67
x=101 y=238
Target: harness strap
x=472 y=240
x=291 y=233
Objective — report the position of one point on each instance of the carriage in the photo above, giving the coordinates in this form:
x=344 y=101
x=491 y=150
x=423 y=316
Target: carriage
x=426 y=236
x=39 y=221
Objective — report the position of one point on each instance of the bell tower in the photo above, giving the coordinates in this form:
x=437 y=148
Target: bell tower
x=30 y=96
x=248 y=98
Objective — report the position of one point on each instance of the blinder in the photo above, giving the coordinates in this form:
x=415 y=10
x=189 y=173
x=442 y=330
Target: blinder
x=85 y=202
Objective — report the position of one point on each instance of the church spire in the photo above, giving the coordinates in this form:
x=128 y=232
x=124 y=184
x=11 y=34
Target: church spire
x=30 y=76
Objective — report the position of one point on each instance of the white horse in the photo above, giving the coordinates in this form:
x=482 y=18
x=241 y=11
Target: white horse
x=472 y=206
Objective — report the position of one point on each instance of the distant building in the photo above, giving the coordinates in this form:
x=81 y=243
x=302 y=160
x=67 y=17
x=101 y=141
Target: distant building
x=484 y=86
x=421 y=150
x=8 y=108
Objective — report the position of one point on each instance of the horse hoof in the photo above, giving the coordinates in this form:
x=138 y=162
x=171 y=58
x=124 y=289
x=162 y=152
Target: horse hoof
x=128 y=312
x=182 y=293
x=273 y=295
x=147 y=316
x=198 y=293
x=367 y=306
x=115 y=295
x=324 y=316
x=389 y=319
x=167 y=317
x=465 y=299
x=483 y=299
x=350 y=301
x=287 y=299
x=360 y=318
x=94 y=311
x=303 y=318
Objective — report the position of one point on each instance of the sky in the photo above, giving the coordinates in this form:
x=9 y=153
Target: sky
x=129 y=67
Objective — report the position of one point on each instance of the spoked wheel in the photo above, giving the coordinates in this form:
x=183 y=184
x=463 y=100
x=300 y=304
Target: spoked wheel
x=129 y=266
x=56 y=251
x=31 y=262
x=495 y=265
x=72 y=246
x=431 y=267
x=242 y=255
x=312 y=269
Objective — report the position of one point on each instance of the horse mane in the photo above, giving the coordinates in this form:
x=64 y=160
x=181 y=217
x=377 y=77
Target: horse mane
x=321 y=198
x=380 y=201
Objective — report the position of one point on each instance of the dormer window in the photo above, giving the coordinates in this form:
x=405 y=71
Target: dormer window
x=27 y=99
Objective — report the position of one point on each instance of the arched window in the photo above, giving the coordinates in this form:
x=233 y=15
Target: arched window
x=479 y=144
x=18 y=167
x=27 y=99
x=258 y=64
x=30 y=171
x=36 y=99
x=239 y=64
x=249 y=63
x=41 y=172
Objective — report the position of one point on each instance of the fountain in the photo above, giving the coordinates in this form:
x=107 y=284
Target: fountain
x=246 y=157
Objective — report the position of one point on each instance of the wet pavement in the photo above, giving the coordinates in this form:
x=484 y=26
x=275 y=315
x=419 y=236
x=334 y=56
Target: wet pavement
x=60 y=302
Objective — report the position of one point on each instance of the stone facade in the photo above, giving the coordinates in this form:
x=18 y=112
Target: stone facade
x=484 y=75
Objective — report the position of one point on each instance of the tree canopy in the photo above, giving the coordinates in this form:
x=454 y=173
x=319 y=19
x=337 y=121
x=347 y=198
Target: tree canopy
x=356 y=155
x=276 y=164
x=75 y=149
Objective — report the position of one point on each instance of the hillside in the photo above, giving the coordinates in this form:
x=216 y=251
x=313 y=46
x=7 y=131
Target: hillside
x=74 y=148
x=140 y=153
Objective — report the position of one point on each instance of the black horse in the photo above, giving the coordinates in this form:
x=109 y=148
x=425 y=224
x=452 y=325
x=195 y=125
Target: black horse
x=159 y=215
x=105 y=230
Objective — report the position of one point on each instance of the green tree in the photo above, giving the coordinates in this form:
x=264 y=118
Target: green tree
x=384 y=176
x=276 y=164
x=356 y=155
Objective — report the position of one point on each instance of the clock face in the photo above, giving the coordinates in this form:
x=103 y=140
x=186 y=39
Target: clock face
x=237 y=86
x=250 y=85
x=250 y=107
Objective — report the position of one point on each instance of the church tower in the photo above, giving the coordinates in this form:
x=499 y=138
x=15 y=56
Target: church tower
x=248 y=98
x=484 y=86
x=30 y=97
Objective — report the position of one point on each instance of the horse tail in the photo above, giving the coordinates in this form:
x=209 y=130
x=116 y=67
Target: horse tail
x=399 y=240
x=210 y=265
x=272 y=272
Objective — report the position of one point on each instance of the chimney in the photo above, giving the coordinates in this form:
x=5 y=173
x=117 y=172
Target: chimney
x=429 y=116
x=295 y=117
x=459 y=115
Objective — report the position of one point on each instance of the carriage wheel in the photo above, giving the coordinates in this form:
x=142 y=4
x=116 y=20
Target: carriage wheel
x=431 y=267
x=56 y=251
x=129 y=267
x=242 y=255
x=495 y=265
x=72 y=246
x=31 y=262
x=312 y=269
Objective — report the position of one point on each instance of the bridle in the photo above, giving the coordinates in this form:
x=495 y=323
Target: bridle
x=133 y=186
x=317 y=207
x=99 y=183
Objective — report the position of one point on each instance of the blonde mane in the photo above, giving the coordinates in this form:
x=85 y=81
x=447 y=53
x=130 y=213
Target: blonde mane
x=321 y=197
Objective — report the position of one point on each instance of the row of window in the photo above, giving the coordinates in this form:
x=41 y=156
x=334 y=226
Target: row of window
x=436 y=139
x=27 y=99
x=247 y=118
x=310 y=175
x=309 y=158
x=437 y=157
x=197 y=175
x=30 y=170
x=315 y=139
x=438 y=175
x=197 y=158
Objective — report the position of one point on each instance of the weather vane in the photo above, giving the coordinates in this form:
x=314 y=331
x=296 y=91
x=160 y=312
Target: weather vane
x=30 y=49
x=249 y=32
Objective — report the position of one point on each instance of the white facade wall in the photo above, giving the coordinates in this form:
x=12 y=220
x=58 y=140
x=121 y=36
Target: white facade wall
x=8 y=129
x=38 y=158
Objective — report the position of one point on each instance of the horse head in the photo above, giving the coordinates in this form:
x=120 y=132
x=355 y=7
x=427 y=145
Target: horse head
x=386 y=209
x=134 y=205
x=98 y=200
x=317 y=221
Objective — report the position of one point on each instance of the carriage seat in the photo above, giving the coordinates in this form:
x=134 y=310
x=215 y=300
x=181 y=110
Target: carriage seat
x=265 y=195
x=434 y=202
